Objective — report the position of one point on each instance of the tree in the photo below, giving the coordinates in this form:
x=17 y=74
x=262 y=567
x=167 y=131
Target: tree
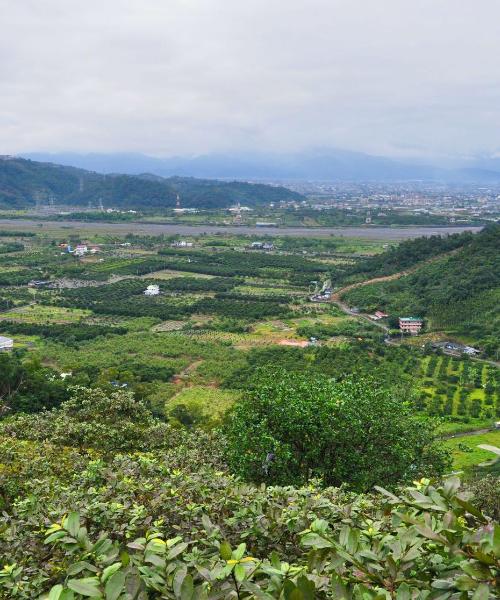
x=92 y=418
x=26 y=385
x=293 y=427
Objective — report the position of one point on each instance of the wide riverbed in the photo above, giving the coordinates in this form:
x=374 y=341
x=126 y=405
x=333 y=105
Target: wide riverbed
x=371 y=233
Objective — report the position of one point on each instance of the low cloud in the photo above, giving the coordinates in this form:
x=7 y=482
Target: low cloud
x=194 y=76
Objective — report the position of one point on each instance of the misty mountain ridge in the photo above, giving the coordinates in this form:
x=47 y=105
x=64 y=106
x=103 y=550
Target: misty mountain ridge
x=316 y=165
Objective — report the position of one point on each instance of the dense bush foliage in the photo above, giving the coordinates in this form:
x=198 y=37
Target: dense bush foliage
x=26 y=385
x=167 y=525
x=93 y=419
x=5 y=248
x=67 y=334
x=291 y=428
x=236 y=263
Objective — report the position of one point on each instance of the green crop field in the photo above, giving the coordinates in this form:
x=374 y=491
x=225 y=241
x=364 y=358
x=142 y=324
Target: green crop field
x=466 y=453
x=207 y=404
x=36 y=313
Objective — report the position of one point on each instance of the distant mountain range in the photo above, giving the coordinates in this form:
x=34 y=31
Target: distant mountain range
x=24 y=183
x=316 y=165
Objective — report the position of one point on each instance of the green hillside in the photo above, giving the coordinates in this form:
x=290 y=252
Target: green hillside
x=457 y=292
x=23 y=181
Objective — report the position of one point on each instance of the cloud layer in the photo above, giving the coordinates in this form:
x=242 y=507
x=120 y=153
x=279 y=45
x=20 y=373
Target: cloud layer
x=167 y=77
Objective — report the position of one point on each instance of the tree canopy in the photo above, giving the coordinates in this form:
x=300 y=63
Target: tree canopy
x=293 y=427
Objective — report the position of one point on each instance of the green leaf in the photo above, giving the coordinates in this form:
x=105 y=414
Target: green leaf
x=256 y=590
x=86 y=587
x=239 y=552
x=78 y=567
x=496 y=540
x=55 y=592
x=442 y=584
x=225 y=551
x=111 y=570
x=115 y=585
x=239 y=572
x=72 y=523
x=54 y=537
x=179 y=579
x=187 y=588
x=315 y=540
x=471 y=509
x=482 y=592
x=176 y=550
x=403 y=592
x=307 y=587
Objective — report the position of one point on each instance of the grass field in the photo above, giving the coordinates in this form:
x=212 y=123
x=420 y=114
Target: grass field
x=206 y=402
x=465 y=451
x=41 y=314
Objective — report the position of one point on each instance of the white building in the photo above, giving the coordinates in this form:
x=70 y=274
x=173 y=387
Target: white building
x=6 y=343
x=81 y=249
x=152 y=290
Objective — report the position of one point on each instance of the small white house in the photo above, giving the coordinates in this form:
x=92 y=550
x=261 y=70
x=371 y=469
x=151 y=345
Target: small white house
x=81 y=250
x=152 y=290
x=6 y=343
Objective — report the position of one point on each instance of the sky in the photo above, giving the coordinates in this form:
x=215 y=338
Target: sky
x=401 y=78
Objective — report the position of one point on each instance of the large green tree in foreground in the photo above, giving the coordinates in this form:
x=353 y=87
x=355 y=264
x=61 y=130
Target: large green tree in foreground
x=293 y=427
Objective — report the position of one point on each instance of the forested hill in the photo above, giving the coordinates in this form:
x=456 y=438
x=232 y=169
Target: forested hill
x=458 y=291
x=23 y=181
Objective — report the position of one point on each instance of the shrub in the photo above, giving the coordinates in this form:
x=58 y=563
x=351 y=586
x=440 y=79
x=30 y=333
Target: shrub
x=292 y=427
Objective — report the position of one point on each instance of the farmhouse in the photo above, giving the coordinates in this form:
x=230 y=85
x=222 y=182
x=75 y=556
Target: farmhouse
x=378 y=315
x=455 y=349
x=411 y=325
x=152 y=290
x=81 y=249
x=262 y=246
x=6 y=343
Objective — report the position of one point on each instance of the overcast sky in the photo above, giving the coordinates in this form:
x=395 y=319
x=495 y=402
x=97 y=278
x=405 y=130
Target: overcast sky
x=169 y=77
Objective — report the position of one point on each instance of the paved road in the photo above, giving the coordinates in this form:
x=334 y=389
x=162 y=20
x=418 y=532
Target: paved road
x=369 y=233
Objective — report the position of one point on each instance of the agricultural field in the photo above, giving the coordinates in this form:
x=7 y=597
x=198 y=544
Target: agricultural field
x=223 y=312
x=452 y=387
x=41 y=314
x=465 y=451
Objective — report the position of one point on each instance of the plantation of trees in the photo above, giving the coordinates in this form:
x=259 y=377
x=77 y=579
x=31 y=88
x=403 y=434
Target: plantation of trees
x=171 y=446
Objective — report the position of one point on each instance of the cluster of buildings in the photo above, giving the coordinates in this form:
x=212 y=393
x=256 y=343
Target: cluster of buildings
x=261 y=246
x=323 y=293
x=80 y=249
x=455 y=349
x=457 y=204
x=181 y=244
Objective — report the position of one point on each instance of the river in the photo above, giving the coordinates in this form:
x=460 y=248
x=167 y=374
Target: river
x=369 y=233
